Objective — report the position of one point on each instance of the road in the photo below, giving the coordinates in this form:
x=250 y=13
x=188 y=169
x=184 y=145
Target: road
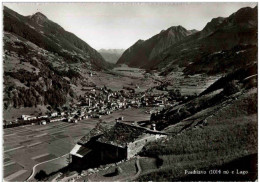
x=33 y=172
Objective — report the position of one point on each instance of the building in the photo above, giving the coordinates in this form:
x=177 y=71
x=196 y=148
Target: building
x=54 y=114
x=40 y=117
x=43 y=122
x=57 y=119
x=62 y=113
x=28 y=118
x=123 y=141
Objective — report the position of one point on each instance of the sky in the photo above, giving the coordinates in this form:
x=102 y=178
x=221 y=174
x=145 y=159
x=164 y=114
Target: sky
x=120 y=25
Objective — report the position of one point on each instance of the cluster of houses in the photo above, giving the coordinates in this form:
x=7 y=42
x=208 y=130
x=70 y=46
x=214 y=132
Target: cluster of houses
x=69 y=116
x=99 y=101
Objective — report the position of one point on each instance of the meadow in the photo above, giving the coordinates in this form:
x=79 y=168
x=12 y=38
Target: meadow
x=230 y=134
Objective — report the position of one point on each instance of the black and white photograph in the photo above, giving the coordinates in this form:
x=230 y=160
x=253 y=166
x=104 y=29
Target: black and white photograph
x=129 y=91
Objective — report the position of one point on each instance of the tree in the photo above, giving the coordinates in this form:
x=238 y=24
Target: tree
x=159 y=162
x=175 y=94
x=65 y=108
x=49 y=108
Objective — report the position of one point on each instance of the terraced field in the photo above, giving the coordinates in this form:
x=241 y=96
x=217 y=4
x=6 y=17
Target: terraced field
x=26 y=146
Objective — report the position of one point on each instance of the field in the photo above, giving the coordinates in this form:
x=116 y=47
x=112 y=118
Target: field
x=27 y=146
x=189 y=85
x=125 y=76
x=13 y=113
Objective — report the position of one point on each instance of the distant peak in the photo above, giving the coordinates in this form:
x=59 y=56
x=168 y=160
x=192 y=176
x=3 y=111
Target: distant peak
x=245 y=11
x=177 y=30
x=39 y=17
x=162 y=31
x=179 y=27
x=139 y=41
x=194 y=30
x=174 y=29
x=213 y=24
x=216 y=20
x=39 y=14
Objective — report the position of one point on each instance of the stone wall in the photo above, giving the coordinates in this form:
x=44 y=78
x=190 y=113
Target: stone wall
x=134 y=147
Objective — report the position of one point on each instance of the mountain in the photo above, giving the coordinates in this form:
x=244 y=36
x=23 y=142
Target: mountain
x=233 y=39
x=142 y=52
x=48 y=35
x=232 y=45
x=111 y=55
x=44 y=65
x=223 y=114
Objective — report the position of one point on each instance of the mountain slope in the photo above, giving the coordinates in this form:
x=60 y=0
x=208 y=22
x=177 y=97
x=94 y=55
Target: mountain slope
x=233 y=39
x=44 y=65
x=229 y=34
x=142 y=52
x=212 y=25
x=205 y=132
x=48 y=35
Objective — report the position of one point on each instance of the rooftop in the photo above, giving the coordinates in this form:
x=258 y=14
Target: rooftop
x=95 y=132
x=120 y=134
x=123 y=133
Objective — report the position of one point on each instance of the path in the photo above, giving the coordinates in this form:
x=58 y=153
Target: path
x=138 y=168
x=32 y=175
x=131 y=178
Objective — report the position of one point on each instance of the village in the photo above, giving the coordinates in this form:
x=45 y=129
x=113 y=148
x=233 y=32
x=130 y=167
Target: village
x=99 y=101
x=69 y=131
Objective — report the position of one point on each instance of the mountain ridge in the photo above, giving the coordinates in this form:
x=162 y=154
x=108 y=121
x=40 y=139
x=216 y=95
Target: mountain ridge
x=220 y=34
x=52 y=36
x=147 y=49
